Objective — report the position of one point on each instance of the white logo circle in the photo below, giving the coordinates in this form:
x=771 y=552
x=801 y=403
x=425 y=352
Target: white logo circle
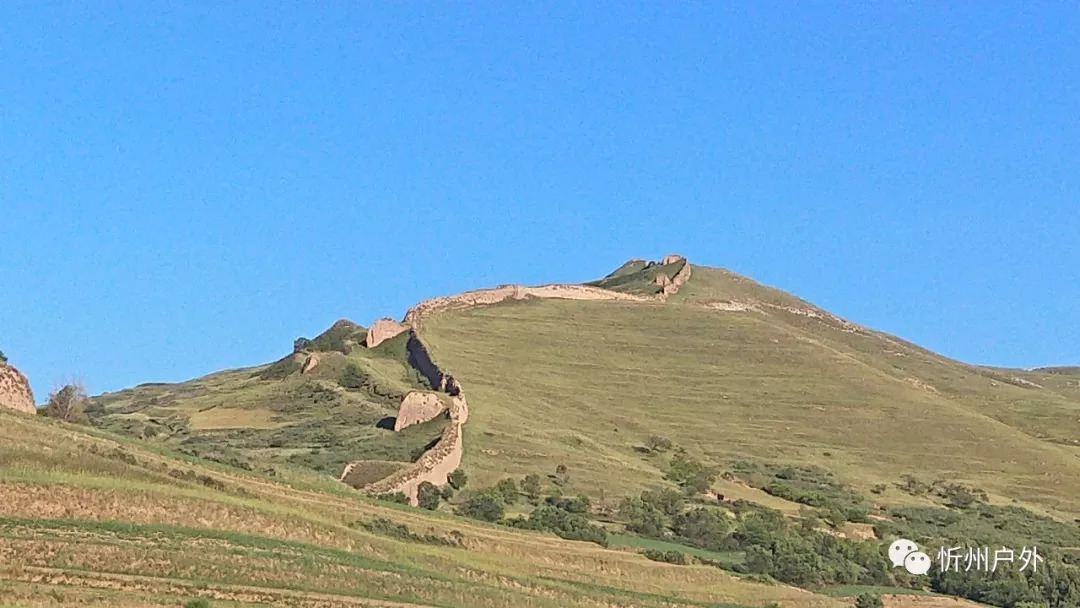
x=917 y=562
x=899 y=550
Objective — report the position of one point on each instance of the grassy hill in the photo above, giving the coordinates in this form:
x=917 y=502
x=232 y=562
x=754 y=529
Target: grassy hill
x=812 y=429
x=337 y=410
x=732 y=370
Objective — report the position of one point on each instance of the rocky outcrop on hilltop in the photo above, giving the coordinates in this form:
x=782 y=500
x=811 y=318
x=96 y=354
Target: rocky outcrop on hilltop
x=15 y=392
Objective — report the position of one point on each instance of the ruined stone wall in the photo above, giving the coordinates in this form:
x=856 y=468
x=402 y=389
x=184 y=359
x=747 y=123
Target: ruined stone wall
x=418 y=407
x=679 y=279
x=435 y=465
x=445 y=456
x=15 y=391
x=382 y=330
x=486 y=297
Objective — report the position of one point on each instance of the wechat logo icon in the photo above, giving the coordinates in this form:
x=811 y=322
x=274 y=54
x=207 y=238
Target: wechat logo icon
x=905 y=553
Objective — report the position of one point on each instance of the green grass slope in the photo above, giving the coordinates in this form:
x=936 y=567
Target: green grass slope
x=337 y=411
x=88 y=518
x=732 y=370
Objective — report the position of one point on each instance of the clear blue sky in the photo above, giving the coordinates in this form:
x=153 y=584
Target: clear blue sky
x=185 y=189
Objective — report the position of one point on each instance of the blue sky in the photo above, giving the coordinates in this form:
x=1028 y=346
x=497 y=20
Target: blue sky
x=188 y=188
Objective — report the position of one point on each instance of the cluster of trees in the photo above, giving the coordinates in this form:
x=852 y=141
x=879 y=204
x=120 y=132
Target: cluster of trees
x=773 y=545
x=1056 y=584
x=566 y=517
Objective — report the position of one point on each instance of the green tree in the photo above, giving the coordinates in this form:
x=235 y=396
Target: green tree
x=68 y=404
x=428 y=496
x=507 y=489
x=3 y=358
x=486 y=506
x=706 y=528
x=531 y=486
x=869 y=600
x=690 y=474
x=457 y=479
x=642 y=517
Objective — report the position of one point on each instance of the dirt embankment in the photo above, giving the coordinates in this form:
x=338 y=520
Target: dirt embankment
x=15 y=392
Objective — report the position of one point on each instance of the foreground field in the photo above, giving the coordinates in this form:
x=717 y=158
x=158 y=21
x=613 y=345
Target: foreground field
x=95 y=520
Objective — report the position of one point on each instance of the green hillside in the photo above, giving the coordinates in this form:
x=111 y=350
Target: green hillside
x=337 y=411
x=731 y=371
x=698 y=438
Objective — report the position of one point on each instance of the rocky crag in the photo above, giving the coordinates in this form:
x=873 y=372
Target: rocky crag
x=449 y=398
x=15 y=392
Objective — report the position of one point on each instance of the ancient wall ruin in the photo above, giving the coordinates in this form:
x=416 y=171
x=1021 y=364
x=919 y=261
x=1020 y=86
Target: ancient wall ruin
x=382 y=330
x=418 y=407
x=15 y=391
x=680 y=277
x=445 y=456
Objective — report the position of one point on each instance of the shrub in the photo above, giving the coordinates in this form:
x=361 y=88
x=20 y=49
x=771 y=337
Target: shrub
x=385 y=527
x=670 y=557
x=667 y=500
x=704 y=528
x=578 y=504
x=397 y=497
x=300 y=344
x=457 y=479
x=3 y=358
x=571 y=526
x=658 y=444
x=869 y=600
x=428 y=496
x=485 y=506
x=201 y=602
x=507 y=489
x=531 y=486
x=642 y=517
x=354 y=377
x=447 y=492
x=691 y=475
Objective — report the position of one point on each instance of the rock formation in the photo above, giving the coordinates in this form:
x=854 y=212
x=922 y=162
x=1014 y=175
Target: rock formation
x=382 y=330
x=15 y=392
x=418 y=407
